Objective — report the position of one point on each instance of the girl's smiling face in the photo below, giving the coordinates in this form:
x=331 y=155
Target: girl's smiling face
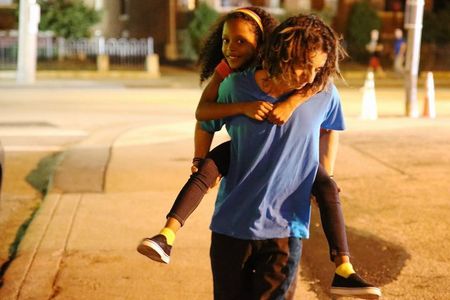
x=238 y=43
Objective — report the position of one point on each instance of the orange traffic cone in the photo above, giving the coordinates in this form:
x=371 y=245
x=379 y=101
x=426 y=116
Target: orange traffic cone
x=369 y=100
x=429 y=107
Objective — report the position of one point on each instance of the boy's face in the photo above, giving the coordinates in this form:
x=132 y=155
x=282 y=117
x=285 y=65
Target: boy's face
x=317 y=61
x=238 y=43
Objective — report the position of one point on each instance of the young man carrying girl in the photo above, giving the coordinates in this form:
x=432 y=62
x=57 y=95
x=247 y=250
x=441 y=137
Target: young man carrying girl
x=235 y=34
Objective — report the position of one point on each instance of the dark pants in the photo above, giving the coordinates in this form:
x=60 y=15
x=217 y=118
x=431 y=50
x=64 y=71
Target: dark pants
x=217 y=163
x=254 y=269
x=327 y=195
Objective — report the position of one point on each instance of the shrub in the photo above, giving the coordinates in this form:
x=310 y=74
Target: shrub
x=68 y=19
x=204 y=17
x=362 y=19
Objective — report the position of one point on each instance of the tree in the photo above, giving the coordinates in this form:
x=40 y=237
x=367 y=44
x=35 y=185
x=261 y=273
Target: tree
x=363 y=19
x=67 y=18
x=204 y=17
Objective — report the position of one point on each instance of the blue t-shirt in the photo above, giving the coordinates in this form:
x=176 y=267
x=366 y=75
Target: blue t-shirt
x=266 y=193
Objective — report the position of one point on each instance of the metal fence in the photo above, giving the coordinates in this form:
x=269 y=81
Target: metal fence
x=123 y=53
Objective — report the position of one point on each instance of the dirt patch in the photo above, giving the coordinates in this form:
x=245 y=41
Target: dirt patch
x=378 y=261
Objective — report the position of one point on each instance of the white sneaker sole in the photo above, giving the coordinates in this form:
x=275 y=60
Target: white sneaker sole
x=153 y=251
x=362 y=293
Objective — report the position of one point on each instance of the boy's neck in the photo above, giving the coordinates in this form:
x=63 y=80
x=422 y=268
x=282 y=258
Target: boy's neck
x=270 y=86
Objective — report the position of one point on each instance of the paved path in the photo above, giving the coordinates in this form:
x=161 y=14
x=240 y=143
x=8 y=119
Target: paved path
x=393 y=173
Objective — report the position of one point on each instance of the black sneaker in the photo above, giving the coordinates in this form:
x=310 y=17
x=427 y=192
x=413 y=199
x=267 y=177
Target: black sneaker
x=156 y=248
x=354 y=286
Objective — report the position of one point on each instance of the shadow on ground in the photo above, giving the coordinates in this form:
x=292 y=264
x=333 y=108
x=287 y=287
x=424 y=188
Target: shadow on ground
x=377 y=260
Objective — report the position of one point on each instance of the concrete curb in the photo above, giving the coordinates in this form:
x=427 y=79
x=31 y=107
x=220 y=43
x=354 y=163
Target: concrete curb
x=33 y=272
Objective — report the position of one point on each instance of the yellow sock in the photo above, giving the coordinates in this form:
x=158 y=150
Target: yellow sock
x=345 y=270
x=169 y=234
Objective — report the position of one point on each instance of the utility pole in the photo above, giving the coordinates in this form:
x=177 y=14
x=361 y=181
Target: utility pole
x=29 y=15
x=413 y=23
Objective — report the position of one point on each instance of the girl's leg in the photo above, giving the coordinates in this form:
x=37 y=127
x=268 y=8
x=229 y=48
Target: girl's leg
x=327 y=195
x=215 y=164
x=345 y=282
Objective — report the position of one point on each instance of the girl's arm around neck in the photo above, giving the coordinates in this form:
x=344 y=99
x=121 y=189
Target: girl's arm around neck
x=209 y=109
x=283 y=110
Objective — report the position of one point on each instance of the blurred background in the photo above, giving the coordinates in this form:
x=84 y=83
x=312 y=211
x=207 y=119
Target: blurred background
x=73 y=34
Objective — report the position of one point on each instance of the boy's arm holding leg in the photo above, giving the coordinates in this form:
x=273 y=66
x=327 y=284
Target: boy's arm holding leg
x=329 y=141
x=328 y=145
x=202 y=144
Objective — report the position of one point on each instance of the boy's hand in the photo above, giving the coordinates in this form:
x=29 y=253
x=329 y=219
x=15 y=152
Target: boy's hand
x=216 y=182
x=257 y=110
x=194 y=169
x=195 y=163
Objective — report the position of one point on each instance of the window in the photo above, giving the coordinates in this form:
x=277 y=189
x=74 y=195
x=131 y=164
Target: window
x=124 y=7
x=6 y=2
x=186 y=5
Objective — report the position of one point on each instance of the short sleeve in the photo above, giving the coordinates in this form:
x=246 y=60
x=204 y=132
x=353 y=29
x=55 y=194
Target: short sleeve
x=334 y=118
x=223 y=69
x=213 y=125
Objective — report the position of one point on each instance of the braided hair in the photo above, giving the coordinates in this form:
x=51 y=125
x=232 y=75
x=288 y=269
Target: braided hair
x=211 y=51
x=294 y=41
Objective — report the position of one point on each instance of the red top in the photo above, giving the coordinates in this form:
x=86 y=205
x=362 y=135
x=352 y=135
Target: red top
x=223 y=69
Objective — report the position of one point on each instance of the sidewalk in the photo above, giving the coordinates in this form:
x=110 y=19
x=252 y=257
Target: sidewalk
x=176 y=77
x=394 y=178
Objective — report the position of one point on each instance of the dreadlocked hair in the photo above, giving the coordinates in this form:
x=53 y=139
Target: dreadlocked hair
x=292 y=44
x=211 y=50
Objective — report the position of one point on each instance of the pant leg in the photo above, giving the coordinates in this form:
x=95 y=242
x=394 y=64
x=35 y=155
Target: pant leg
x=221 y=156
x=194 y=190
x=326 y=192
x=229 y=264
x=276 y=268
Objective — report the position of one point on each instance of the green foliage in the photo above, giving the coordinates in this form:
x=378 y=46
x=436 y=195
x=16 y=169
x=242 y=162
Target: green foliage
x=204 y=18
x=40 y=177
x=362 y=19
x=436 y=28
x=67 y=18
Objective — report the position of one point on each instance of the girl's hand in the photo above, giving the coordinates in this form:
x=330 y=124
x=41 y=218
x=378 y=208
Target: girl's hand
x=281 y=112
x=257 y=110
